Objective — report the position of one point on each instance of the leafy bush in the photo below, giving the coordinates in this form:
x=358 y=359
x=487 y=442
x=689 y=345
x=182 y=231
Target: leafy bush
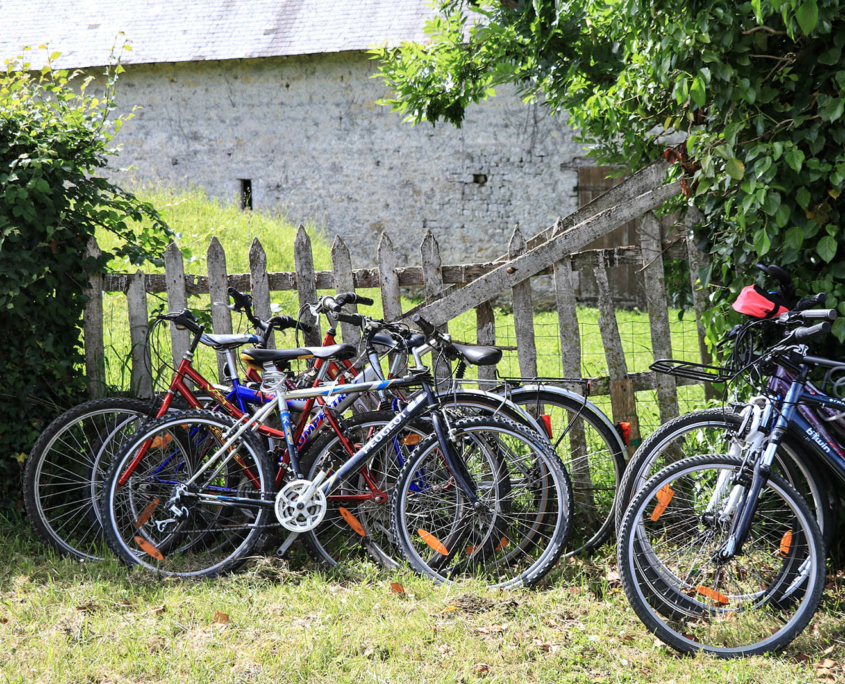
x=54 y=137
x=756 y=90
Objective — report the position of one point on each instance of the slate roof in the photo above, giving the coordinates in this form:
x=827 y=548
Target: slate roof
x=198 y=30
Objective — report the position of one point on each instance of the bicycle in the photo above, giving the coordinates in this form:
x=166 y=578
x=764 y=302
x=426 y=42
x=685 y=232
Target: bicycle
x=718 y=553
x=206 y=532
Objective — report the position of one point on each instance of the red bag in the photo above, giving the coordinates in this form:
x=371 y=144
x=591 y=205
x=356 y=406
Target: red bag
x=755 y=302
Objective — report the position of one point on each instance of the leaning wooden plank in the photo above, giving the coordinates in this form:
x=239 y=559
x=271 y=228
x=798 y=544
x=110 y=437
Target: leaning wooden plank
x=698 y=262
x=485 y=325
x=523 y=313
x=259 y=285
x=622 y=398
x=305 y=283
x=221 y=315
x=344 y=282
x=136 y=303
x=644 y=180
x=529 y=264
x=177 y=299
x=658 y=311
x=92 y=326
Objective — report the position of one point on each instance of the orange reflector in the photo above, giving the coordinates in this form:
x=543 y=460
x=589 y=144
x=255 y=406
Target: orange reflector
x=353 y=522
x=470 y=549
x=547 y=423
x=664 y=496
x=149 y=549
x=785 y=543
x=411 y=439
x=162 y=441
x=433 y=542
x=720 y=599
x=502 y=544
x=147 y=513
x=625 y=431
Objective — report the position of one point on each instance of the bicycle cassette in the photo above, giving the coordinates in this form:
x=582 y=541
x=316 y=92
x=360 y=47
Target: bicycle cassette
x=296 y=515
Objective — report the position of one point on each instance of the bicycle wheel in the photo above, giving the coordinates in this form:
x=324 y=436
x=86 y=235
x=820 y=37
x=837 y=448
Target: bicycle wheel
x=204 y=532
x=712 y=431
x=358 y=515
x=592 y=454
x=516 y=530
x=64 y=471
x=691 y=599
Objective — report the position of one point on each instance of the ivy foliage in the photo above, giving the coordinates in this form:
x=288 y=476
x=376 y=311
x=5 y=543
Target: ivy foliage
x=755 y=91
x=54 y=137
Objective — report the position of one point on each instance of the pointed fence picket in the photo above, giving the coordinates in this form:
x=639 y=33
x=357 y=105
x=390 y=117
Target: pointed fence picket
x=450 y=290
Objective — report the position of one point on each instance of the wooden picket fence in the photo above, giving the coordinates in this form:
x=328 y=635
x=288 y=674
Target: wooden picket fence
x=449 y=291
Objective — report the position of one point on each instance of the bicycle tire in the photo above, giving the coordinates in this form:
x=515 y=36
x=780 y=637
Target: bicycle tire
x=117 y=526
x=405 y=486
x=656 y=617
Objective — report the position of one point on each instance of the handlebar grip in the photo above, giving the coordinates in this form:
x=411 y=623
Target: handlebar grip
x=352 y=298
x=354 y=319
x=423 y=324
x=820 y=314
x=804 y=334
x=811 y=302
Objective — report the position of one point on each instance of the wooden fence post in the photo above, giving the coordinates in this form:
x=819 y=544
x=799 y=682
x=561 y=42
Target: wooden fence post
x=523 y=313
x=306 y=284
x=658 y=312
x=432 y=276
x=485 y=326
x=260 y=285
x=92 y=326
x=622 y=398
x=177 y=299
x=344 y=282
x=218 y=289
x=389 y=282
x=136 y=303
x=698 y=262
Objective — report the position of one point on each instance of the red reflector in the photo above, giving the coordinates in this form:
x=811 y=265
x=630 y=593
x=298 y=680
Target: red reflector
x=547 y=423
x=625 y=431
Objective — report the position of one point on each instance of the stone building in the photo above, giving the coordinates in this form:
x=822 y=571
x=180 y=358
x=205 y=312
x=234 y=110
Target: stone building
x=274 y=100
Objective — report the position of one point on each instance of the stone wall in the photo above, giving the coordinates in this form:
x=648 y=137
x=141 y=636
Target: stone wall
x=307 y=132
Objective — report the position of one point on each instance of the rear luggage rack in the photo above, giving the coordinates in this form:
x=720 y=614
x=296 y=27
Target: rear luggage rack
x=693 y=371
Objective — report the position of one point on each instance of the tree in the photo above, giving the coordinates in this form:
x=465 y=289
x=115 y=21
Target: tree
x=755 y=90
x=54 y=137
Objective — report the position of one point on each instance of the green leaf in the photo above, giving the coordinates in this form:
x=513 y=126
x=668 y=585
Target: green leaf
x=698 y=91
x=833 y=110
x=794 y=238
x=838 y=328
x=803 y=197
x=795 y=158
x=735 y=168
x=807 y=15
x=782 y=215
x=762 y=243
x=826 y=248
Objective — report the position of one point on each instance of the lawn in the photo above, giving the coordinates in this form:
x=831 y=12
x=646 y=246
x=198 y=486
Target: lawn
x=62 y=621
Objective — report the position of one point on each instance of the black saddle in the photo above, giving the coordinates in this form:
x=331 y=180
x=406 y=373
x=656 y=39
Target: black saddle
x=339 y=352
x=478 y=355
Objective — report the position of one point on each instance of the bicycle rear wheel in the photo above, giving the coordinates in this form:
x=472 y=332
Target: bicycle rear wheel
x=516 y=530
x=668 y=554
x=63 y=473
x=209 y=529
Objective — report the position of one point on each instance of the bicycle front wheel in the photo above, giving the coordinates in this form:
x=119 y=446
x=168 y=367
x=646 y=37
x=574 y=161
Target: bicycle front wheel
x=688 y=595
x=514 y=530
x=209 y=527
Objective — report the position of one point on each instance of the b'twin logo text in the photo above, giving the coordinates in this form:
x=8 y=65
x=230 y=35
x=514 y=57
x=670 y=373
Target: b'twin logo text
x=818 y=440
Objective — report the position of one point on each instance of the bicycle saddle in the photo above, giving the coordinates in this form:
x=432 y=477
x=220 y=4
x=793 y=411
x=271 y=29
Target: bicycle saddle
x=478 y=355
x=333 y=351
x=229 y=341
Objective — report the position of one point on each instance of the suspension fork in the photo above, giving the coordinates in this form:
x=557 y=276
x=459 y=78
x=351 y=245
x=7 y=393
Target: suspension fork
x=747 y=508
x=454 y=462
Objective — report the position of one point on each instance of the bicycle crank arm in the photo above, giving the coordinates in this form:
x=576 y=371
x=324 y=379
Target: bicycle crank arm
x=283 y=549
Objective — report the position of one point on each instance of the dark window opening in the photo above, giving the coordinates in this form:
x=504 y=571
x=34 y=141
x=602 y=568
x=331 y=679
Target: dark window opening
x=479 y=178
x=246 y=193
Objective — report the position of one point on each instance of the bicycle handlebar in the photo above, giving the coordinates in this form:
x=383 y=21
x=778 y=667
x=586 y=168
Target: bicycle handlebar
x=352 y=298
x=811 y=302
x=805 y=334
x=423 y=325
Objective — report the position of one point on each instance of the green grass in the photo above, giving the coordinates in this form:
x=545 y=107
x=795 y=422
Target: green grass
x=63 y=621
x=197 y=218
